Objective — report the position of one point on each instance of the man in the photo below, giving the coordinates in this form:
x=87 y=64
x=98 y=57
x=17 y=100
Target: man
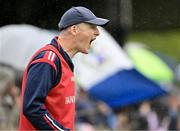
x=48 y=90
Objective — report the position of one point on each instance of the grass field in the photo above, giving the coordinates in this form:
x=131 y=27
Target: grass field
x=166 y=42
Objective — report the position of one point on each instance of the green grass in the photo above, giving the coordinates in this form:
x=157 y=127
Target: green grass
x=166 y=42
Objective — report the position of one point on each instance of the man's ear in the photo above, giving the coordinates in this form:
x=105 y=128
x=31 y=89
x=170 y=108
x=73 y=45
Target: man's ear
x=74 y=30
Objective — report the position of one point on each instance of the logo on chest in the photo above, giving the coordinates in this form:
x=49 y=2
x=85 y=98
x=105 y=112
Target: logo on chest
x=69 y=100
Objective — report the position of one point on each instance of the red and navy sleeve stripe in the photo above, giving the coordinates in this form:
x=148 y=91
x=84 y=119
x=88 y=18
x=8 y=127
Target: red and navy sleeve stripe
x=50 y=55
x=55 y=125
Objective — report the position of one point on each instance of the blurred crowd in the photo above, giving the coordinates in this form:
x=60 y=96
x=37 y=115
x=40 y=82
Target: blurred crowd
x=160 y=114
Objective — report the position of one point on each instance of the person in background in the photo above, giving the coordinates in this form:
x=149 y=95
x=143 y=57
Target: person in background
x=9 y=99
x=48 y=88
x=85 y=111
x=151 y=117
x=174 y=108
x=106 y=115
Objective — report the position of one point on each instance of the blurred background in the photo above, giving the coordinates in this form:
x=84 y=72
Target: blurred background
x=144 y=96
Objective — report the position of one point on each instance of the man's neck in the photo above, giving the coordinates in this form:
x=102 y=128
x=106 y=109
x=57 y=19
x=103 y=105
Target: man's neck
x=66 y=44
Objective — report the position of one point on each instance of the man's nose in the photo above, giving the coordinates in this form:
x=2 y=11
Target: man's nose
x=96 y=31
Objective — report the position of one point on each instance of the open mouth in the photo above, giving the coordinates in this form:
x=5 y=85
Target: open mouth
x=92 y=40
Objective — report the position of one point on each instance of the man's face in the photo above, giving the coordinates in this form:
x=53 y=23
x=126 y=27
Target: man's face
x=86 y=34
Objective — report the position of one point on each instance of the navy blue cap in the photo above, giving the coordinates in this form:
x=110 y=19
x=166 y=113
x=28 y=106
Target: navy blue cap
x=76 y=15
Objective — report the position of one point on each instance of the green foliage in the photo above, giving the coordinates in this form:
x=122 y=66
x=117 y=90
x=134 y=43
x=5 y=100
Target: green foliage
x=166 y=42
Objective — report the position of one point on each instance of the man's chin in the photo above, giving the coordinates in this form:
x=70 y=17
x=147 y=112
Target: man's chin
x=86 y=51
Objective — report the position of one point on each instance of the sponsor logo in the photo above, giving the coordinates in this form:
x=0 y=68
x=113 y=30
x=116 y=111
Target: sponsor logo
x=69 y=100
